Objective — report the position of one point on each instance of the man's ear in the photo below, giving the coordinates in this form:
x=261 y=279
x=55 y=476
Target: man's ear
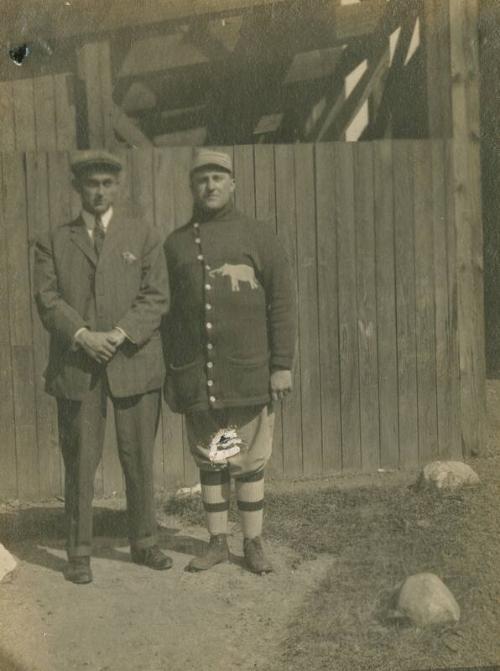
x=75 y=183
x=233 y=184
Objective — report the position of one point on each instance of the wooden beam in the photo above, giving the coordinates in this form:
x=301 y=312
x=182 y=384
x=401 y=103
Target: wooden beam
x=344 y=111
x=94 y=69
x=464 y=58
x=333 y=100
x=436 y=40
x=126 y=128
x=338 y=112
x=53 y=19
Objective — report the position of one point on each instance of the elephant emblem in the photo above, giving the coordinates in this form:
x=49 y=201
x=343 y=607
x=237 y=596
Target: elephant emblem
x=237 y=274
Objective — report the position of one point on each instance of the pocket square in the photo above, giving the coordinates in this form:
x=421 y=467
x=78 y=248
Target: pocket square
x=128 y=257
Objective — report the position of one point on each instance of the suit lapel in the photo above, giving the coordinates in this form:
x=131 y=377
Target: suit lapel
x=80 y=238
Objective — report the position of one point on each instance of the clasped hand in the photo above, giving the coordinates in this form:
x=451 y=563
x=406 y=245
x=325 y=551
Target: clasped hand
x=100 y=345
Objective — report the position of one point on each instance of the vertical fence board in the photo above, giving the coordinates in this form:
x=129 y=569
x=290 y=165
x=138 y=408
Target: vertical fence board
x=366 y=301
x=386 y=305
x=181 y=157
x=328 y=333
x=24 y=116
x=348 y=327
x=65 y=111
x=425 y=299
x=46 y=415
x=145 y=178
x=287 y=231
x=308 y=309
x=405 y=295
x=444 y=363
x=21 y=331
x=7 y=130
x=456 y=446
x=45 y=113
x=243 y=164
x=265 y=210
x=164 y=203
x=8 y=471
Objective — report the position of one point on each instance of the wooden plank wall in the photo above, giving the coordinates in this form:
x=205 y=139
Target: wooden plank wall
x=38 y=114
x=370 y=232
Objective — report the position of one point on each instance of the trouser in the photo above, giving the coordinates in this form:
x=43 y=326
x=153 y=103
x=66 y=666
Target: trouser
x=81 y=431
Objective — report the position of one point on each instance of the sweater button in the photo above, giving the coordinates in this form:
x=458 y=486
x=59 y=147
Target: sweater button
x=207 y=267
x=208 y=325
x=210 y=383
x=212 y=399
x=200 y=257
x=210 y=364
x=208 y=306
x=198 y=241
x=210 y=346
x=196 y=224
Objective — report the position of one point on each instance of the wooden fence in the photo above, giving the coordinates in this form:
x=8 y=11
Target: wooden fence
x=369 y=229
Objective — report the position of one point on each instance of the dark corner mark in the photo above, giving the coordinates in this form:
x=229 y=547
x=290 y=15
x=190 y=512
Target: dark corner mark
x=19 y=54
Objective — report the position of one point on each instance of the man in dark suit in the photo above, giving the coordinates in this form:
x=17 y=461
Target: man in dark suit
x=101 y=291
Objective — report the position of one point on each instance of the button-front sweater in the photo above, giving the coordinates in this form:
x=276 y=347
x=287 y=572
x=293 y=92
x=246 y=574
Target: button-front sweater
x=233 y=312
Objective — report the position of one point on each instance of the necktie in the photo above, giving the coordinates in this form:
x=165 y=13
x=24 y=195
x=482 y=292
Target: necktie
x=99 y=234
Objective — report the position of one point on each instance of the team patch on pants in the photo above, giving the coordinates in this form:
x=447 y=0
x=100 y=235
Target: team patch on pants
x=253 y=425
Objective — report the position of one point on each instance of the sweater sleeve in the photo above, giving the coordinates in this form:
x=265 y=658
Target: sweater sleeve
x=281 y=298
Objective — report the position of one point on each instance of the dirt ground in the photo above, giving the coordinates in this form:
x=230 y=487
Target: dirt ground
x=132 y=618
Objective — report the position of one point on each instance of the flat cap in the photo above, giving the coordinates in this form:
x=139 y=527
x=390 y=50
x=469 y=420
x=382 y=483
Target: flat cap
x=94 y=158
x=206 y=157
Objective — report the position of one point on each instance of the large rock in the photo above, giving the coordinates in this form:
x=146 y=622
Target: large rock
x=447 y=475
x=7 y=563
x=426 y=600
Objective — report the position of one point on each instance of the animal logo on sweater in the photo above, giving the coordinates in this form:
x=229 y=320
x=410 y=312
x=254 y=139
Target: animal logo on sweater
x=238 y=274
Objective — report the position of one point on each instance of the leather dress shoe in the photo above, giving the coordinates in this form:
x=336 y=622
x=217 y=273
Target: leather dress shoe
x=78 y=570
x=216 y=553
x=255 y=559
x=151 y=557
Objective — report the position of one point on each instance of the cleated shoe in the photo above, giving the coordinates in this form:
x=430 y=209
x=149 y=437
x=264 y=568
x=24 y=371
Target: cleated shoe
x=216 y=553
x=254 y=556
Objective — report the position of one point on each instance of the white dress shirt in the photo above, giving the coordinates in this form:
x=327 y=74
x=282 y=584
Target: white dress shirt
x=89 y=220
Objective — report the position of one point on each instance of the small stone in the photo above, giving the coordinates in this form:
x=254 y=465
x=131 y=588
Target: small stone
x=447 y=475
x=7 y=563
x=187 y=492
x=425 y=600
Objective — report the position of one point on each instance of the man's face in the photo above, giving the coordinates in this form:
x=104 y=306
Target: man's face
x=97 y=189
x=212 y=188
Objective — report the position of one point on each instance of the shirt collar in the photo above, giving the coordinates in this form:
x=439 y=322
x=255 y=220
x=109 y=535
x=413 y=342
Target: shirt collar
x=89 y=219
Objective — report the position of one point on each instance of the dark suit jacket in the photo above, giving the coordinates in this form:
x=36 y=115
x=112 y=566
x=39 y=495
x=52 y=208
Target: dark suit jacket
x=126 y=287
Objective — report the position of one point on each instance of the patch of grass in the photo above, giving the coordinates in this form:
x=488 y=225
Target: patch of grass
x=377 y=537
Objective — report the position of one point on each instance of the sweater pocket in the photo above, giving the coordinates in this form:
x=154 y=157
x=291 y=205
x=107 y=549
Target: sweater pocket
x=187 y=382
x=247 y=378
